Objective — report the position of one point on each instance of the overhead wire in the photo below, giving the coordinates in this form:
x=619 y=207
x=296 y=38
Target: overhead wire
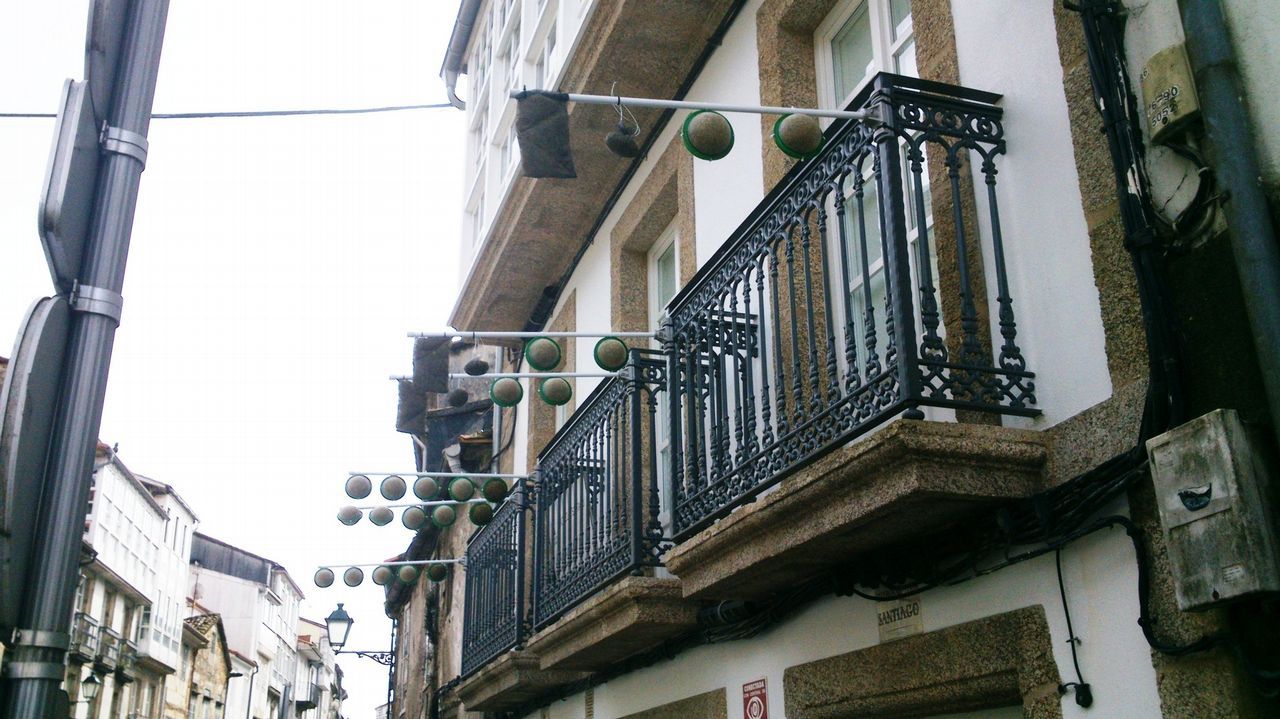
x=255 y=113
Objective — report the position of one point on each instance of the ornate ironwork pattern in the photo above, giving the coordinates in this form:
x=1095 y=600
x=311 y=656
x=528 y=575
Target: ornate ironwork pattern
x=493 y=618
x=821 y=317
x=596 y=506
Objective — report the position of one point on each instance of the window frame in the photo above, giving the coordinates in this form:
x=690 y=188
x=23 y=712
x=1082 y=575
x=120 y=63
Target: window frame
x=887 y=44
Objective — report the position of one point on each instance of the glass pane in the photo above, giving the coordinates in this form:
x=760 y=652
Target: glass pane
x=899 y=12
x=851 y=52
x=666 y=276
x=904 y=62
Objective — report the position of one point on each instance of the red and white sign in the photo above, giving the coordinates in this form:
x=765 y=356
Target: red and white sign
x=755 y=700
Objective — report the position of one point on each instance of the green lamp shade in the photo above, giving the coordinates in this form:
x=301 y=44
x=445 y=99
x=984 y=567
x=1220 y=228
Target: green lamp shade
x=555 y=391
x=426 y=488
x=437 y=572
x=324 y=577
x=382 y=575
x=461 y=489
x=381 y=516
x=480 y=514
x=506 y=392
x=353 y=576
x=542 y=353
x=799 y=136
x=611 y=354
x=707 y=135
x=494 y=490
x=393 y=488
x=444 y=515
x=349 y=515
x=408 y=574
x=413 y=518
x=358 y=486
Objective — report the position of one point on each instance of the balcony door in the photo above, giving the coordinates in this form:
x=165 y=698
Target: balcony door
x=663 y=281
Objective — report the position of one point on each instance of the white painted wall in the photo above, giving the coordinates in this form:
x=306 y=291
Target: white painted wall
x=1101 y=582
x=1012 y=49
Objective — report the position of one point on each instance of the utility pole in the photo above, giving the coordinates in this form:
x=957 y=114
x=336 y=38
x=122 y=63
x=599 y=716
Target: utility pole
x=36 y=666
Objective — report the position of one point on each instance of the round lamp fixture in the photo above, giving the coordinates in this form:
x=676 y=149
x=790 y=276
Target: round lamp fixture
x=494 y=490
x=610 y=354
x=349 y=515
x=358 y=486
x=437 y=572
x=555 y=391
x=799 y=136
x=506 y=392
x=324 y=577
x=444 y=515
x=393 y=488
x=382 y=575
x=381 y=516
x=353 y=576
x=622 y=140
x=707 y=135
x=461 y=489
x=413 y=518
x=457 y=397
x=480 y=514
x=426 y=488
x=542 y=353
x=408 y=574
x=476 y=367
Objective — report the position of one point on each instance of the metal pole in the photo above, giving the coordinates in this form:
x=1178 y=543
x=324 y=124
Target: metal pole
x=467 y=475
x=395 y=564
x=431 y=503
x=531 y=375
x=474 y=336
x=31 y=689
x=721 y=107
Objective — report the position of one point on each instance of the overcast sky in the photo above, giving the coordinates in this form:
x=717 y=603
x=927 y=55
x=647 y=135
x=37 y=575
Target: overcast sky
x=276 y=264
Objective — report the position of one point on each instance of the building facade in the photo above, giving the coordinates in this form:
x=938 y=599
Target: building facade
x=206 y=671
x=886 y=453
x=258 y=603
x=135 y=549
x=319 y=691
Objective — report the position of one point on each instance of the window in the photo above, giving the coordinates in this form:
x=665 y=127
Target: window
x=663 y=283
x=858 y=39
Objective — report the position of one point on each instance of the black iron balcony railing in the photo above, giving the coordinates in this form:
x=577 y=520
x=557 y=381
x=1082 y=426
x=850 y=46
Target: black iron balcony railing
x=493 y=619
x=596 y=502
x=820 y=318
x=109 y=647
x=84 y=637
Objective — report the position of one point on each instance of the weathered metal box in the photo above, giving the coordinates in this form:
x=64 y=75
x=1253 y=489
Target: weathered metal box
x=1211 y=482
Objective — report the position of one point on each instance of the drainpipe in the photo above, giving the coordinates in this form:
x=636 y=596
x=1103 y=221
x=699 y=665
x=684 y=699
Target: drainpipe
x=248 y=705
x=1253 y=236
x=458 y=41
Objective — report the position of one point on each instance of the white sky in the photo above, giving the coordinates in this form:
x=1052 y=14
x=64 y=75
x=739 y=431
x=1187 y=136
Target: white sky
x=276 y=264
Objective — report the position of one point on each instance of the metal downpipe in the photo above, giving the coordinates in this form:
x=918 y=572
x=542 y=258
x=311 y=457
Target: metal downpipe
x=1252 y=233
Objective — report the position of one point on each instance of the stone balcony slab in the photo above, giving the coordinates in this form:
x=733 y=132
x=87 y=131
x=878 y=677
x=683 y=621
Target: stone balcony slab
x=908 y=478
x=625 y=619
x=509 y=681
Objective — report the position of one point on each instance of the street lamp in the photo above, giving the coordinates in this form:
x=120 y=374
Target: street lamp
x=89 y=688
x=338 y=626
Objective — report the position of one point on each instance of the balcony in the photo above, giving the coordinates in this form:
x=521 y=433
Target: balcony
x=127 y=667
x=832 y=383
x=110 y=645
x=84 y=638
x=310 y=700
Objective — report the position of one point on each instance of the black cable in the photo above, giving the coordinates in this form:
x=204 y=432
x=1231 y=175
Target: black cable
x=1083 y=692
x=254 y=113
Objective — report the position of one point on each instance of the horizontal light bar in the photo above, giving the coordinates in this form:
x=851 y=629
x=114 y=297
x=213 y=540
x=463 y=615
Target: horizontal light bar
x=721 y=107
x=469 y=475
x=534 y=375
x=430 y=503
x=521 y=335
x=395 y=564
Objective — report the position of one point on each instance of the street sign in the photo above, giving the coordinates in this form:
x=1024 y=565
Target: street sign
x=755 y=699
x=28 y=403
x=67 y=204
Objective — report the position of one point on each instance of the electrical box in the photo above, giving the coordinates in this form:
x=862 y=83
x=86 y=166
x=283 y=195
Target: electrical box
x=1211 y=481
x=1168 y=92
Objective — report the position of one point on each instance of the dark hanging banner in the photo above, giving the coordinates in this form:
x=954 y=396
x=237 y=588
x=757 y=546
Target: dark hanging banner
x=431 y=364
x=542 y=127
x=411 y=412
